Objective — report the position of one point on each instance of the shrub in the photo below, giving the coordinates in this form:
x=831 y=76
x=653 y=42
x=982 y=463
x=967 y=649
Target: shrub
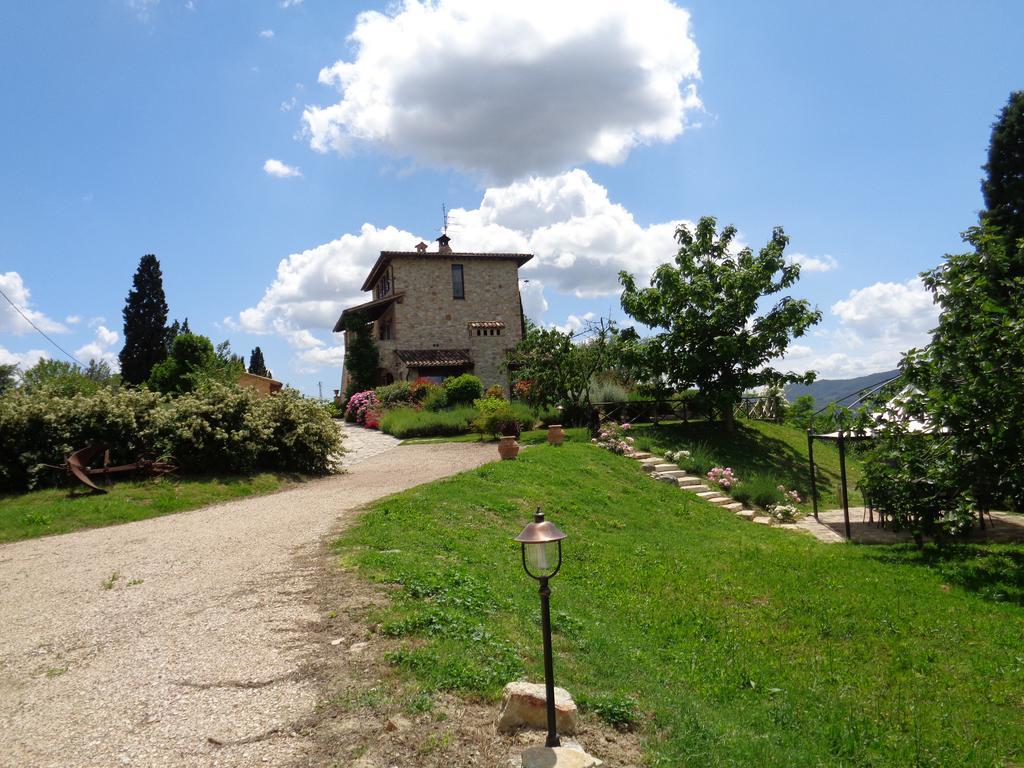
x=420 y=388
x=395 y=395
x=495 y=390
x=435 y=397
x=464 y=389
x=360 y=405
x=217 y=428
x=495 y=418
x=408 y=422
x=612 y=436
x=723 y=476
x=700 y=460
x=760 y=490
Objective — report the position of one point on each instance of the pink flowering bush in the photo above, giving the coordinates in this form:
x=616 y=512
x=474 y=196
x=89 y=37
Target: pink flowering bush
x=361 y=405
x=791 y=497
x=723 y=476
x=612 y=437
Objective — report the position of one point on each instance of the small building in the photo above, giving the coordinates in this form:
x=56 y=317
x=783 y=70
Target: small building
x=261 y=384
x=441 y=313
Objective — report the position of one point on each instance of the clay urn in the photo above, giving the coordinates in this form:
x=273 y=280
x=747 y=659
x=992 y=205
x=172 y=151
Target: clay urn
x=556 y=434
x=508 y=448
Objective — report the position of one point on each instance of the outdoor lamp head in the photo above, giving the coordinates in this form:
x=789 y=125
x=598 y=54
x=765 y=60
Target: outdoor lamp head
x=541 y=542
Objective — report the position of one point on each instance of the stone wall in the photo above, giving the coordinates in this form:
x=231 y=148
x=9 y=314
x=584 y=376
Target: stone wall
x=430 y=318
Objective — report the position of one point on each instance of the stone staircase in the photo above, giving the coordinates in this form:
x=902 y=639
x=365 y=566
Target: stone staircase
x=666 y=472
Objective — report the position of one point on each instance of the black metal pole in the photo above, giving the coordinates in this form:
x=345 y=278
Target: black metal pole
x=842 y=477
x=814 y=483
x=549 y=667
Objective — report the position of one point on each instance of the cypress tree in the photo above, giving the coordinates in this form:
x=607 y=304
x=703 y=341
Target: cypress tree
x=256 y=364
x=1003 y=185
x=145 y=323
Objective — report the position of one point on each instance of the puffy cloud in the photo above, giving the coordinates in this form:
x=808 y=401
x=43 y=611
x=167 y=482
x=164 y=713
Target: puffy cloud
x=266 y=33
x=100 y=348
x=509 y=89
x=10 y=320
x=531 y=293
x=73 y=319
x=807 y=263
x=876 y=325
x=280 y=170
x=575 y=323
x=24 y=360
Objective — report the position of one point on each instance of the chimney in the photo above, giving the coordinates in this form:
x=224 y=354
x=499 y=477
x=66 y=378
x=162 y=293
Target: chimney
x=442 y=244
x=421 y=247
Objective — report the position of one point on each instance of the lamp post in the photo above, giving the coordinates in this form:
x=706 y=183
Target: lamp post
x=541 y=543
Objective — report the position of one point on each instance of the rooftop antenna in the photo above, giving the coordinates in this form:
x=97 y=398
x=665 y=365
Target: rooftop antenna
x=444 y=215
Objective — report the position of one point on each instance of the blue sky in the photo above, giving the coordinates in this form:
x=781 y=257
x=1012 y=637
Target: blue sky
x=582 y=132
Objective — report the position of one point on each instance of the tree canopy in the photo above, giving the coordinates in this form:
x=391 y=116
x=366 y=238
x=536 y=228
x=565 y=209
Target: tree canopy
x=705 y=309
x=145 y=322
x=554 y=366
x=361 y=356
x=1003 y=186
x=257 y=366
x=193 y=361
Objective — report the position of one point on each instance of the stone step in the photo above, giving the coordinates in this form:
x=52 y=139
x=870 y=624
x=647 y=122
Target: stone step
x=734 y=507
x=685 y=480
x=720 y=500
x=763 y=520
x=665 y=467
x=708 y=494
x=664 y=478
x=640 y=455
x=746 y=514
x=697 y=489
x=673 y=473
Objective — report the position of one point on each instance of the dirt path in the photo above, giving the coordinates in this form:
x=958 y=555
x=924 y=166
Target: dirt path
x=180 y=640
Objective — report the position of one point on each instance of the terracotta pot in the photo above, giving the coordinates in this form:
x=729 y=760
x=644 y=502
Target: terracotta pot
x=556 y=434
x=508 y=448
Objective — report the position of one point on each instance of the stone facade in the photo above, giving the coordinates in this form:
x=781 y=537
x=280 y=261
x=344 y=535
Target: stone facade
x=423 y=329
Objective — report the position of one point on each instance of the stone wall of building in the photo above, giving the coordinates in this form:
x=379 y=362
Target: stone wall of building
x=429 y=317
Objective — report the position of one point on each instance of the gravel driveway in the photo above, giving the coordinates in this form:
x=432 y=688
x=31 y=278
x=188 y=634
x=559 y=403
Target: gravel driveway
x=179 y=641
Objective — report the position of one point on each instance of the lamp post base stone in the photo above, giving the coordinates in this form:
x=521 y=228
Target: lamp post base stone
x=559 y=757
x=524 y=705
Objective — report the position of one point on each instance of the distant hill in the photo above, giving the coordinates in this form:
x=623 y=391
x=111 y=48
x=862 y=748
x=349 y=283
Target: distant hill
x=825 y=391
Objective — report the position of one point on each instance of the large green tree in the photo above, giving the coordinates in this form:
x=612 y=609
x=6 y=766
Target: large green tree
x=704 y=308
x=145 y=323
x=972 y=373
x=1003 y=185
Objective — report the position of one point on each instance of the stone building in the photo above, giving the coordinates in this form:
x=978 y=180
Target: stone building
x=442 y=313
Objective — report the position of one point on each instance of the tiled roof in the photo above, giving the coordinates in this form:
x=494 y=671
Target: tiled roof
x=425 y=358
x=386 y=256
x=487 y=324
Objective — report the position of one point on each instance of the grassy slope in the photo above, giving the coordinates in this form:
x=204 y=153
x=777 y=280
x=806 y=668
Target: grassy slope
x=41 y=513
x=764 y=448
x=732 y=644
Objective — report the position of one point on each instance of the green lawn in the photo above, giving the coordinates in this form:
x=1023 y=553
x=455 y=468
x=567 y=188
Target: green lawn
x=761 y=448
x=55 y=510
x=724 y=643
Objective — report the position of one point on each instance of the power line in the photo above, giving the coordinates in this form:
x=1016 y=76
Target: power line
x=41 y=333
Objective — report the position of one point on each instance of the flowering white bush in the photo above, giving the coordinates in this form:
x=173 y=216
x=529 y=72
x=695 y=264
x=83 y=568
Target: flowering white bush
x=791 y=496
x=677 y=456
x=612 y=437
x=783 y=513
x=723 y=476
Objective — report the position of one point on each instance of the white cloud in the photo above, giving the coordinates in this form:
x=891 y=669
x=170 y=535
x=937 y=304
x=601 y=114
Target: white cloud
x=12 y=322
x=532 y=294
x=100 y=348
x=73 y=319
x=509 y=89
x=280 y=170
x=266 y=33
x=575 y=323
x=288 y=106
x=290 y=3
x=876 y=325
x=24 y=360
x=807 y=263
